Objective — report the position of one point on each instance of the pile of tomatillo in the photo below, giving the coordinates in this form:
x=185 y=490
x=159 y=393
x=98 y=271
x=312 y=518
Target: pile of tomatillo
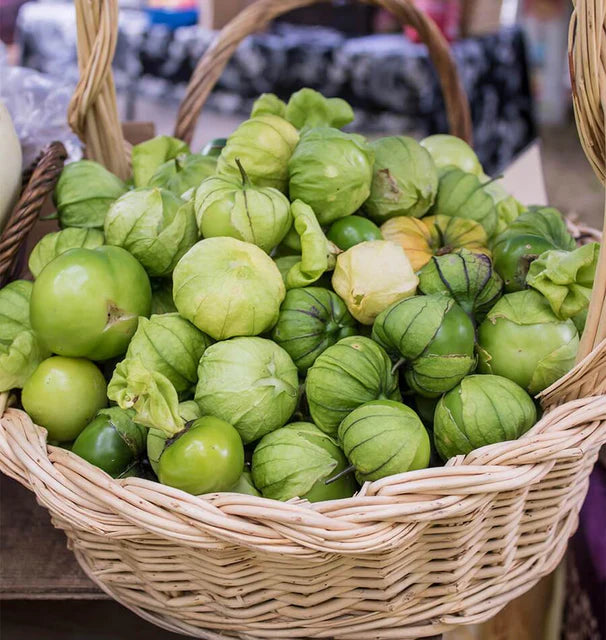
x=292 y=311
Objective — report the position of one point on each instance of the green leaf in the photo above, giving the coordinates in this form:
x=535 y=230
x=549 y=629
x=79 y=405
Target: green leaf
x=268 y=104
x=149 y=393
x=149 y=155
x=565 y=278
x=19 y=359
x=54 y=244
x=14 y=309
x=314 y=248
x=308 y=108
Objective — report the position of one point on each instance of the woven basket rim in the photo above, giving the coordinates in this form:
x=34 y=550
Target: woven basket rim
x=505 y=466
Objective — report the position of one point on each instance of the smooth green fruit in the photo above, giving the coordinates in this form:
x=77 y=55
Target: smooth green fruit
x=63 y=395
x=351 y=230
x=207 y=457
x=522 y=339
x=87 y=302
x=112 y=441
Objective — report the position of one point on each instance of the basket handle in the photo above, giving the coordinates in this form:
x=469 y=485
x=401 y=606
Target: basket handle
x=93 y=112
x=587 y=62
x=39 y=186
x=258 y=15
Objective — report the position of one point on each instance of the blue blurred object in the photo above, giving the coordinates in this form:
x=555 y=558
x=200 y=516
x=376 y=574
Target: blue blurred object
x=173 y=18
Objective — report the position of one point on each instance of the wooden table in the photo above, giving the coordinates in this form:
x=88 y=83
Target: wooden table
x=43 y=592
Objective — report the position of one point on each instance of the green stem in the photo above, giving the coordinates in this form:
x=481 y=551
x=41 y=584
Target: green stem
x=345 y=472
x=245 y=178
x=397 y=365
x=494 y=179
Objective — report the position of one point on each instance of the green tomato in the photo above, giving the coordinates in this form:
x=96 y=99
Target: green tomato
x=112 y=441
x=63 y=395
x=214 y=147
x=351 y=230
x=87 y=302
x=523 y=340
x=513 y=258
x=207 y=457
x=449 y=150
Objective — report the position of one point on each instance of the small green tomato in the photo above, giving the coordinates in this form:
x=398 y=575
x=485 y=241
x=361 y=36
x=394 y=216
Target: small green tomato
x=207 y=457
x=63 y=395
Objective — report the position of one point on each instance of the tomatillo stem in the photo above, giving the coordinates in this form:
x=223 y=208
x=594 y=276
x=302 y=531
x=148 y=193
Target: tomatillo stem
x=397 y=365
x=245 y=178
x=345 y=472
x=493 y=179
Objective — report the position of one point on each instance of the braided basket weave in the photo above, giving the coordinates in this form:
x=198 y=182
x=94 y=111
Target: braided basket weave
x=409 y=556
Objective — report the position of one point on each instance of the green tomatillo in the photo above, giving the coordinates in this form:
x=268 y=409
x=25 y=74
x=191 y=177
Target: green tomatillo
x=189 y=412
x=84 y=192
x=351 y=230
x=183 y=173
x=331 y=171
x=351 y=372
x=382 y=438
x=264 y=145
x=227 y=288
x=432 y=337
x=466 y=277
x=311 y=319
x=63 y=395
x=463 y=195
x=447 y=150
x=226 y=206
x=153 y=224
x=481 y=410
x=20 y=348
x=535 y=231
x=404 y=182
x=296 y=461
x=522 y=339
x=250 y=382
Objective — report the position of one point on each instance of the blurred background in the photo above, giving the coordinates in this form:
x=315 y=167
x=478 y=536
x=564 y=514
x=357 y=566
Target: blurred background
x=511 y=55
x=512 y=58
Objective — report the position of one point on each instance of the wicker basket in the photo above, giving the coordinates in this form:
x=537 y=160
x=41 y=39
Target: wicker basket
x=411 y=555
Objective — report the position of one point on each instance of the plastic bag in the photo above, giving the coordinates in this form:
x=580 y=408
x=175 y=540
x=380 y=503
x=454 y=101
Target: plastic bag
x=38 y=106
